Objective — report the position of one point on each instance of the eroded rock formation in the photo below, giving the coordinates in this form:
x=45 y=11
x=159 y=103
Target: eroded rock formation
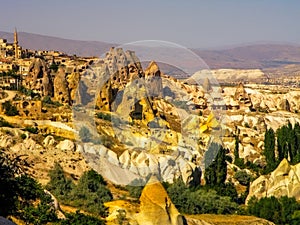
x=283 y=181
x=242 y=96
x=73 y=82
x=156 y=208
x=61 y=89
x=38 y=78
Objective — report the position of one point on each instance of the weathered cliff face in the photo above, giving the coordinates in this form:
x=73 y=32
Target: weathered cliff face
x=38 y=78
x=132 y=166
x=283 y=181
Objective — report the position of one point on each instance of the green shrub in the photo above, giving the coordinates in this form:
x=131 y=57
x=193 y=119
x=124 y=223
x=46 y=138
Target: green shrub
x=251 y=166
x=4 y=123
x=121 y=217
x=54 y=67
x=103 y=116
x=106 y=116
x=28 y=92
x=134 y=191
x=9 y=109
x=239 y=162
x=33 y=130
x=80 y=219
x=243 y=177
x=48 y=101
x=227 y=190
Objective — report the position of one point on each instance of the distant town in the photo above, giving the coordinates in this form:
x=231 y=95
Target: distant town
x=15 y=62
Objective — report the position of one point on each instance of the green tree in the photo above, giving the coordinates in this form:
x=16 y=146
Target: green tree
x=215 y=165
x=8 y=185
x=269 y=151
x=27 y=188
x=42 y=213
x=90 y=193
x=237 y=160
x=59 y=184
x=236 y=148
x=288 y=142
x=292 y=145
x=297 y=136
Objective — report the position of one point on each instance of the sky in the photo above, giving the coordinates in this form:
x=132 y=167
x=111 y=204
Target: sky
x=193 y=23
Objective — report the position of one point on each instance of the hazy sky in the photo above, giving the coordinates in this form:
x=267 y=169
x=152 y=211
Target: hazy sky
x=190 y=23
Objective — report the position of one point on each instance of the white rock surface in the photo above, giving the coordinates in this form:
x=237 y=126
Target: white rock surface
x=66 y=145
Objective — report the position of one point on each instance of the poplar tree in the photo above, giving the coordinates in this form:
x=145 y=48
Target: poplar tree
x=269 y=151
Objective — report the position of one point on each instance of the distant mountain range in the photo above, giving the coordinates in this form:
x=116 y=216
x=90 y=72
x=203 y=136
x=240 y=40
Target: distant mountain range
x=71 y=47
x=262 y=56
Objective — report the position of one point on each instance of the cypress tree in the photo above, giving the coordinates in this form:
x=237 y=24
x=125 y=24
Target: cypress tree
x=269 y=151
x=215 y=165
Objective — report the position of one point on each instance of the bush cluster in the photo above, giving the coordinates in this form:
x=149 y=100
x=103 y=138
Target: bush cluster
x=200 y=200
x=88 y=194
x=281 y=211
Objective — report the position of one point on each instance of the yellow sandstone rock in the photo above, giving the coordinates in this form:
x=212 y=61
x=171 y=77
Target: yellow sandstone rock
x=156 y=208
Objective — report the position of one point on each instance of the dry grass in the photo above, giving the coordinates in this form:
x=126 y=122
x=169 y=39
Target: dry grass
x=224 y=219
